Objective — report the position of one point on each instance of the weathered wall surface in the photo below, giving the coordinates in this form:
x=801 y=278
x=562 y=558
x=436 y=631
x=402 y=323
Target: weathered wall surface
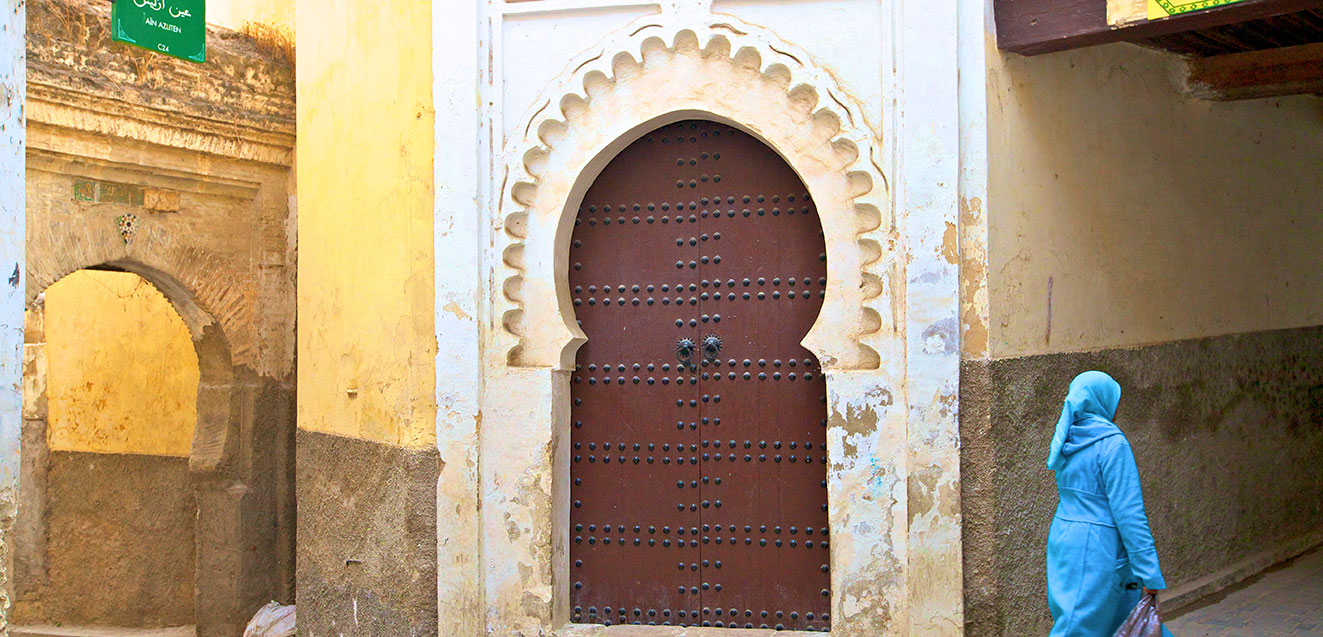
x=179 y=172
x=121 y=543
x=122 y=373
x=1171 y=243
x=367 y=525
x=112 y=389
x=367 y=344
x=13 y=142
x=233 y=14
x=1226 y=433
x=1124 y=213
x=365 y=221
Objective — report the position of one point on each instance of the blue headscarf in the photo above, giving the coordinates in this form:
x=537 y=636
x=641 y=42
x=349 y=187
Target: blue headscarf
x=1092 y=397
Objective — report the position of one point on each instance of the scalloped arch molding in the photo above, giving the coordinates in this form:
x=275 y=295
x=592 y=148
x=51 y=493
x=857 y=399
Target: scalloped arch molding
x=715 y=67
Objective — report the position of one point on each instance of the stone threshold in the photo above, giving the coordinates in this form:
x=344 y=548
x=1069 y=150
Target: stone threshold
x=100 y=631
x=1187 y=597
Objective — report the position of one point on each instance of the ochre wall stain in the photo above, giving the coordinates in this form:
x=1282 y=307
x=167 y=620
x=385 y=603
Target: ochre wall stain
x=366 y=297
x=122 y=375
x=973 y=279
x=234 y=13
x=1183 y=220
x=951 y=244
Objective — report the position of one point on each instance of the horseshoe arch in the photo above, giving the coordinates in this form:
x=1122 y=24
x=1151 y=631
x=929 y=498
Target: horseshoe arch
x=723 y=70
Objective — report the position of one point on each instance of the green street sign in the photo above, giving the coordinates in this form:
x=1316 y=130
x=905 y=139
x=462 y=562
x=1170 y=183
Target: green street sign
x=174 y=27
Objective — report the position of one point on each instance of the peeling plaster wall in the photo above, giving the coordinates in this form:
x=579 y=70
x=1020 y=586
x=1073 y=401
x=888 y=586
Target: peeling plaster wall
x=13 y=140
x=367 y=341
x=562 y=87
x=457 y=178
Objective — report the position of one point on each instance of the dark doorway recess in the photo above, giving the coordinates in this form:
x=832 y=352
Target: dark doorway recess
x=698 y=460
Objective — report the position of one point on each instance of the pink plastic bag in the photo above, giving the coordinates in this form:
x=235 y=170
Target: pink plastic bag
x=1143 y=621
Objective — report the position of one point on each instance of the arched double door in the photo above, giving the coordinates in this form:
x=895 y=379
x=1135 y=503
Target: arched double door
x=698 y=460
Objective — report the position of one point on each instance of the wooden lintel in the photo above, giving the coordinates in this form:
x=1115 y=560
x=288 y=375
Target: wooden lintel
x=1288 y=70
x=1031 y=27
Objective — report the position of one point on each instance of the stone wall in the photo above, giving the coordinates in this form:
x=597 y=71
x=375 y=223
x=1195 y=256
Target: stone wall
x=1226 y=432
x=367 y=409
x=121 y=543
x=367 y=538
x=181 y=173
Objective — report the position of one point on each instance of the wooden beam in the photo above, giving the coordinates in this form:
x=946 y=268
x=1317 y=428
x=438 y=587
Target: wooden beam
x=1031 y=27
x=1291 y=70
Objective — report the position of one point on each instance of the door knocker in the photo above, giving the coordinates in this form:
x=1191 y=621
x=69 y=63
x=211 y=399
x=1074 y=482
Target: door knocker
x=711 y=347
x=684 y=351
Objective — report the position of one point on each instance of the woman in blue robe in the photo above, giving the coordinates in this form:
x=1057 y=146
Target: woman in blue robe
x=1100 y=553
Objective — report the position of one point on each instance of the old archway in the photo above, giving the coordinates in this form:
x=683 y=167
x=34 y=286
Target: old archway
x=196 y=199
x=233 y=514
x=107 y=517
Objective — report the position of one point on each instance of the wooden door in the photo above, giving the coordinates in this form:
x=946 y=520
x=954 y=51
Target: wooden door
x=698 y=459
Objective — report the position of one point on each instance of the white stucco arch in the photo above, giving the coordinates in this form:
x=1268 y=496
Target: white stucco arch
x=714 y=68
x=679 y=65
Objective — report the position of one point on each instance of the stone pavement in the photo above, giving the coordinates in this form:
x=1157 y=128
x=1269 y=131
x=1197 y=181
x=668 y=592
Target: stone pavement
x=1288 y=601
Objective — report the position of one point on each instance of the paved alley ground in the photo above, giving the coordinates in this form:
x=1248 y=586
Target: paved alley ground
x=1288 y=601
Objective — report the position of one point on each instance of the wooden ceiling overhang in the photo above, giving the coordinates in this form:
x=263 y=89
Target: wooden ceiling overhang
x=1247 y=49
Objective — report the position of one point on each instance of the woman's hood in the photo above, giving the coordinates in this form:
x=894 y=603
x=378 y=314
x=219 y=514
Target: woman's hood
x=1087 y=431
x=1086 y=416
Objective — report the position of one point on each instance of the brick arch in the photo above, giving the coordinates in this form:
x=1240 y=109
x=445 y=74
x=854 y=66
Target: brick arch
x=715 y=68
x=223 y=568
x=215 y=365
x=199 y=285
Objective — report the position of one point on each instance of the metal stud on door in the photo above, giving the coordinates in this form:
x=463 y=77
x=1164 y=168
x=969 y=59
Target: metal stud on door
x=698 y=461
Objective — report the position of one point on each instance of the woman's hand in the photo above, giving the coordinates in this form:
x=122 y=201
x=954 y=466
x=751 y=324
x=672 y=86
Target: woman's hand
x=1157 y=605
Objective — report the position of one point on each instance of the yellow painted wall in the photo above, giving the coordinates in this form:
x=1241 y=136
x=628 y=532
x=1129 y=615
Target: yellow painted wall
x=1149 y=216
x=122 y=374
x=233 y=13
x=366 y=296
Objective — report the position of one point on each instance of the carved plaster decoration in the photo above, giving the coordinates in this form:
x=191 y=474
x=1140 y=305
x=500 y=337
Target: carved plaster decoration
x=691 y=63
x=693 y=7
